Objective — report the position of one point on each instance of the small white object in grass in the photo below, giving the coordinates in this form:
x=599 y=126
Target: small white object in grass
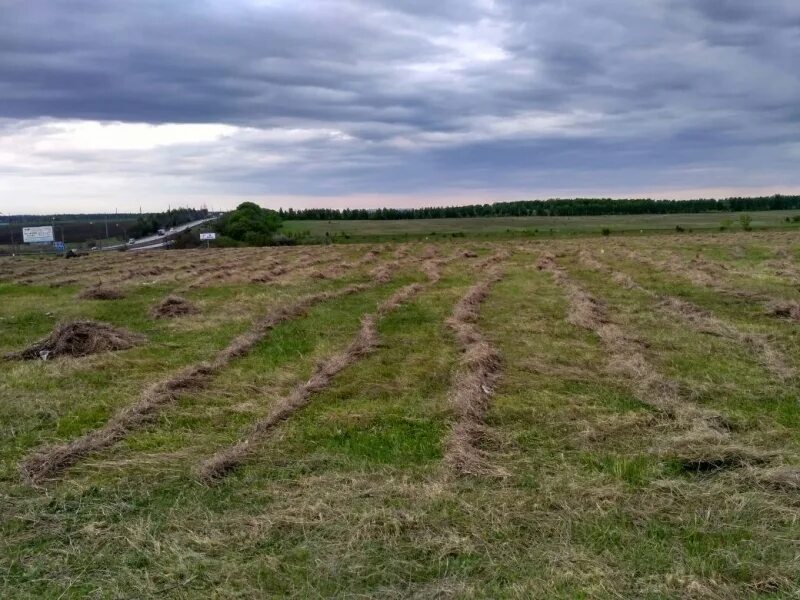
x=43 y=354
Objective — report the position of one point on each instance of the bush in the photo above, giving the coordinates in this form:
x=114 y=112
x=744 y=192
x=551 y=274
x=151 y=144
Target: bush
x=606 y=231
x=280 y=239
x=223 y=241
x=679 y=229
x=250 y=223
x=745 y=221
x=186 y=239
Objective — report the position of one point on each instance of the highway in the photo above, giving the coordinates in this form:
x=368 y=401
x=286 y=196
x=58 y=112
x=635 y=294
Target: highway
x=153 y=242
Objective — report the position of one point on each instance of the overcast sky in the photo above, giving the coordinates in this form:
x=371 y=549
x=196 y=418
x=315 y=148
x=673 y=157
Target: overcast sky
x=115 y=105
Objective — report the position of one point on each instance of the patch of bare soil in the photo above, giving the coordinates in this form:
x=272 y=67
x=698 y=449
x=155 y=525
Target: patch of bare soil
x=79 y=338
x=472 y=385
x=101 y=293
x=366 y=340
x=787 y=309
x=710 y=451
x=51 y=460
x=173 y=306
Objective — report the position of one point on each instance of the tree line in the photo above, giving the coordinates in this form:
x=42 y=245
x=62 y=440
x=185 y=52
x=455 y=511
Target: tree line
x=150 y=223
x=575 y=207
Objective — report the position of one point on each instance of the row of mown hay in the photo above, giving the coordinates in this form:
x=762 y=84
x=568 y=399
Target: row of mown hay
x=364 y=342
x=52 y=460
x=705 y=443
x=474 y=381
x=702 y=320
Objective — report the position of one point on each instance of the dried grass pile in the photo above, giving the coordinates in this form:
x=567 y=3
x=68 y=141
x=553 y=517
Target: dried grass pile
x=101 y=293
x=52 y=460
x=173 y=306
x=80 y=338
x=383 y=273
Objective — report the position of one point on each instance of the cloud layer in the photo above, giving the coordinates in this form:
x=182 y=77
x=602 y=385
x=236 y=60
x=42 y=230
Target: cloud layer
x=185 y=101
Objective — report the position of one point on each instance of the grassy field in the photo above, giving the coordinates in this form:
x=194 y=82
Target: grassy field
x=568 y=418
x=511 y=227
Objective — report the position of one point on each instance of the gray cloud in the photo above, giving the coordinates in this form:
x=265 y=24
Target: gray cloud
x=410 y=96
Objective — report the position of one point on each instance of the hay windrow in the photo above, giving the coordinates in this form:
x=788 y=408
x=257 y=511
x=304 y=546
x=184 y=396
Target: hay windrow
x=173 y=306
x=625 y=353
x=783 y=478
x=79 y=338
x=703 y=321
x=473 y=384
x=705 y=446
x=365 y=341
x=51 y=460
x=703 y=273
x=383 y=273
x=621 y=279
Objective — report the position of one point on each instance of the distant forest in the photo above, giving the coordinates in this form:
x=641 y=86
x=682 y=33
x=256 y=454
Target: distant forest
x=576 y=207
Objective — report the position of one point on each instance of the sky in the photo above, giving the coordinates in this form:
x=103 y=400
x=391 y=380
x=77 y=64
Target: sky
x=113 y=105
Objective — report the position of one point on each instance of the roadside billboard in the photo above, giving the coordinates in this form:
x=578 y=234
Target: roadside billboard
x=37 y=235
x=208 y=236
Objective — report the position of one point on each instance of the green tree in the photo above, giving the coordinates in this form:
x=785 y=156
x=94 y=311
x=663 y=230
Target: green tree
x=250 y=223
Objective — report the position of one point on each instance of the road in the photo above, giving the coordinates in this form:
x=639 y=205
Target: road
x=153 y=242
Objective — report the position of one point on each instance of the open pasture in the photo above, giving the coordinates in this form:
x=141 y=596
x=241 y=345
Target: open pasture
x=594 y=417
x=495 y=228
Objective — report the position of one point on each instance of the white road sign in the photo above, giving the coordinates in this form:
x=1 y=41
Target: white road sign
x=208 y=236
x=37 y=235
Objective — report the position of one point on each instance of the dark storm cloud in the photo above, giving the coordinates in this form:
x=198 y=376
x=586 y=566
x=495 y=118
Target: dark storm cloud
x=481 y=94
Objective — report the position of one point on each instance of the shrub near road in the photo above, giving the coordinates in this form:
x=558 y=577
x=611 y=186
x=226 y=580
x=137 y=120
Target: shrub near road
x=251 y=224
x=634 y=435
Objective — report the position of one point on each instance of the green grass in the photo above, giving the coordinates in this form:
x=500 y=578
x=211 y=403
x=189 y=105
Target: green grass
x=496 y=228
x=351 y=498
